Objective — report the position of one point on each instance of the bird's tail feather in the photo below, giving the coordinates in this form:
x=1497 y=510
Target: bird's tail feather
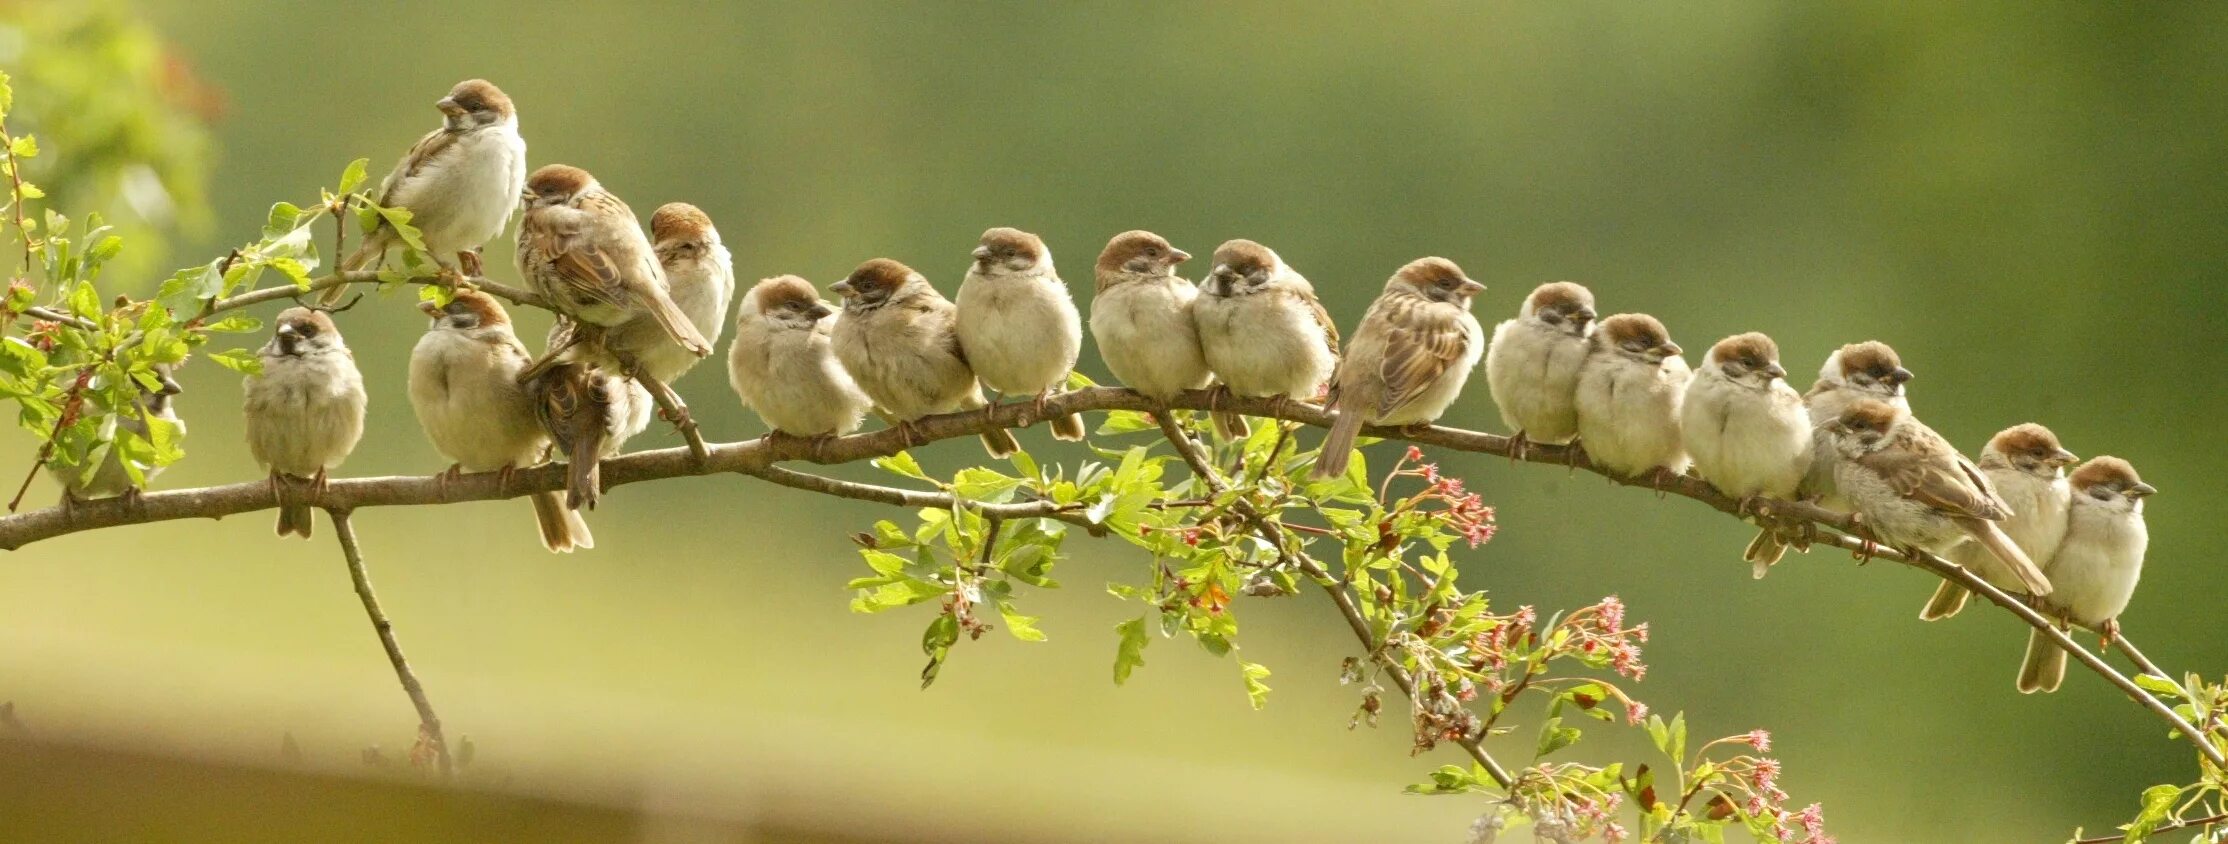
x=1948 y=599
x=1068 y=428
x=1994 y=539
x=294 y=520
x=369 y=255
x=677 y=325
x=1000 y=443
x=2045 y=665
x=1763 y=552
x=1339 y=444
x=562 y=528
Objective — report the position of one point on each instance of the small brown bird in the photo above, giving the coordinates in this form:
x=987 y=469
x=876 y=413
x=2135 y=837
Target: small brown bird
x=1262 y=330
x=1017 y=324
x=783 y=364
x=581 y=248
x=109 y=477
x=1747 y=431
x=460 y=182
x=1629 y=393
x=1914 y=491
x=1532 y=365
x=1409 y=359
x=2027 y=466
x=1141 y=317
x=898 y=338
x=464 y=388
x=305 y=412
x=1853 y=373
x=700 y=278
x=590 y=414
x=2096 y=567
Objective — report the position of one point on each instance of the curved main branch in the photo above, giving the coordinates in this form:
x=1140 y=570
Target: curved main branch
x=756 y=458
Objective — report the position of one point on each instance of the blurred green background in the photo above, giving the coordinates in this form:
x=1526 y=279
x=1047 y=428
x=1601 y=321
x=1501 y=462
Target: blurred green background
x=2025 y=201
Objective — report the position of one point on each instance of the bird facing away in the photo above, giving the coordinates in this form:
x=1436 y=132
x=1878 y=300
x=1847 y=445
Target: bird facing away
x=1409 y=360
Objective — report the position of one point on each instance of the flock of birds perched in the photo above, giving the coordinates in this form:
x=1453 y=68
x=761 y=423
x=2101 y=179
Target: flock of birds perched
x=636 y=312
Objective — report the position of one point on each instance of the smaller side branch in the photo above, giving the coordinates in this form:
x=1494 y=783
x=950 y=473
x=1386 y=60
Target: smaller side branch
x=427 y=720
x=2108 y=839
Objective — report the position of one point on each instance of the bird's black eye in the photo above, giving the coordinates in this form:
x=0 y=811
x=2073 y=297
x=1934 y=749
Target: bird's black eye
x=306 y=329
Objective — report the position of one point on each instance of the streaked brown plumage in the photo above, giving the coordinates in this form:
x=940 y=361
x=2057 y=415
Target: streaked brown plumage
x=1915 y=491
x=1409 y=359
x=582 y=248
x=898 y=338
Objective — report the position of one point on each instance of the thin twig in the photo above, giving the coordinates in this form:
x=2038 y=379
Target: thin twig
x=2215 y=819
x=15 y=190
x=427 y=721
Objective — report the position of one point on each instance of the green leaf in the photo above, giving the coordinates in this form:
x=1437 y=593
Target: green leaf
x=1131 y=653
x=2158 y=807
x=85 y=301
x=282 y=219
x=235 y=323
x=1553 y=736
x=399 y=220
x=238 y=360
x=31 y=191
x=901 y=464
x=2158 y=685
x=886 y=564
x=1678 y=737
x=937 y=643
x=7 y=95
x=1022 y=627
x=975 y=483
x=24 y=147
x=1126 y=422
x=902 y=593
x=1256 y=691
x=353 y=176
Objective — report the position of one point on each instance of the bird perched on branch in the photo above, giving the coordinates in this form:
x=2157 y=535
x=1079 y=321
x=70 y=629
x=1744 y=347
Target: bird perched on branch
x=1916 y=492
x=464 y=388
x=1262 y=330
x=1853 y=373
x=1747 y=431
x=700 y=279
x=460 y=182
x=305 y=410
x=1141 y=317
x=590 y=414
x=783 y=363
x=899 y=339
x=1629 y=393
x=1532 y=364
x=2027 y=465
x=1017 y=323
x=2096 y=567
x=1408 y=361
x=581 y=248
x=153 y=407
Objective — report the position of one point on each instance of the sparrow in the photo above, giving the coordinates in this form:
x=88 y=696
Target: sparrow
x=581 y=249
x=2027 y=466
x=1747 y=431
x=700 y=279
x=464 y=389
x=1263 y=332
x=1853 y=373
x=783 y=363
x=460 y=182
x=899 y=339
x=110 y=478
x=305 y=411
x=1408 y=361
x=1532 y=364
x=1629 y=393
x=1017 y=324
x=2097 y=565
x=1915 y=491
x=1141 y=317
x=589 y=413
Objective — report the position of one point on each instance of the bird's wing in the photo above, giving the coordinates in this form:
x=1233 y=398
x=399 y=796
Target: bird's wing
x=574 y=262
x=1421 y=344
x=1945 y=485
x=1322 y=318
x=423 y=153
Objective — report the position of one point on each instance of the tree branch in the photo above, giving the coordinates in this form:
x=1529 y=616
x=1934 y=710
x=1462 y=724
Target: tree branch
x=287 y=291
x=754 y=457
x=2209 y=821
x=428 y=722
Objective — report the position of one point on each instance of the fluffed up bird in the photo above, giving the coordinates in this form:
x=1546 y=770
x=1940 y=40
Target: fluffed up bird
x=2027 y=466
x=2096 y=567
x=1916 y=492
x=1262 y=330
x=305 y=411
x=1747 y=431
x=899 y=339
x=1628 y=398
x=581 y=248
x=152 y=407
x=460 y=182
x=1141 y=317
x=700 y=279
x=783 y=364
x=1532 y=364
x=590 y=414
x=1017 y=324
x=464 y=388
x=1408 y=361
x=1853 y=373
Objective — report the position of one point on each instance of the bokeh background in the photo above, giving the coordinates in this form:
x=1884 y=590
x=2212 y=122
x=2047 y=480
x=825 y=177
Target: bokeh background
x=2027 y=202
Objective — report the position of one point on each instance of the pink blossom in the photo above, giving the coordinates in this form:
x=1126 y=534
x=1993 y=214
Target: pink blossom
x=1635 y=712
x=1612 y=614
x=1614 y=834
x=1414 y=453
x=1759 y=739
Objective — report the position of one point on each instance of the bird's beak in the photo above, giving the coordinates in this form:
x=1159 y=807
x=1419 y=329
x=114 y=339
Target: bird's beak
x=1178 y=256
x=1899 y=376
x=1583 y=316
x=170 y=385
x=2063 y=458
x=448 y=106
x=430 y=309
x=1775 y=370
x=844 y=289
x=1471 y=287
x=2141 y=490
x=1669 y=349
x=982 y=254
x=819 y=311
x=287 y=331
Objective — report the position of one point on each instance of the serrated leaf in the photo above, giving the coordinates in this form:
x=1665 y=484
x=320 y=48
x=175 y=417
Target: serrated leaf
x=31 y=191
x=25 y=147
x=886 y=564
x=1130 y=654
x=353 y=175
x=282 y=219
x=975 y=483
x=937 y=643
x=85 y=301
x=901 y=464
x=1022 y=627
x=2158 y=685
x=1256 y=691
x=1553 y=736
x=238 y=360
x=235 y=323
